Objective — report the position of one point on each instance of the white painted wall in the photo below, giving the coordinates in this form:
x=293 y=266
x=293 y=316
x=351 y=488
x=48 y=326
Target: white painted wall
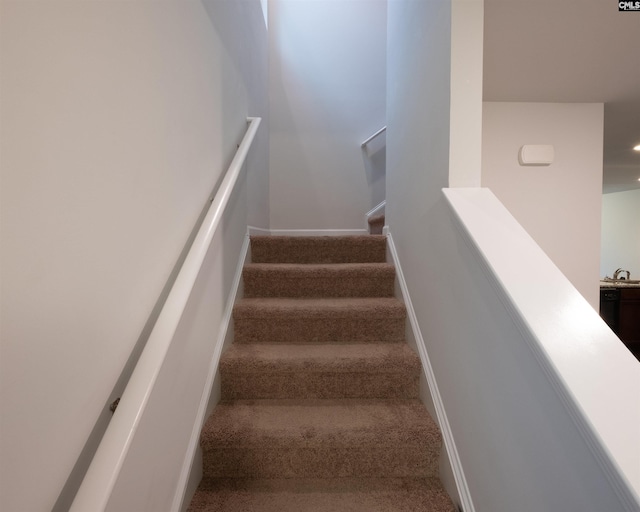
x=518 y=443
x=620 y=233
x=327 y=95
x=559 y=205
x=418 y=63
x=240 y=27
x=118 y=119
x=418 y=100
x=465 y=138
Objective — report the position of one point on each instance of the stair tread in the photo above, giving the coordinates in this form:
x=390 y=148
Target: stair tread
x=318 y=495
x=318 y=249
x=342 y=422
x=320 y=307
x=321 y=269
x=319 y=280
x=319 y=357
x=306 y=319
x=338 y=240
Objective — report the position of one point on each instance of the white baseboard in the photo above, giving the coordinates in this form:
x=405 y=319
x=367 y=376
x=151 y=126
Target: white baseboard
x=441 y=416
x=252 y=230
x=191 y=475
x=306 y=232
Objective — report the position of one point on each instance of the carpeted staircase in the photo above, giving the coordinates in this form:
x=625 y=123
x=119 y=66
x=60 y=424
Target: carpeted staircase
x=376 y=224
x=320 y=408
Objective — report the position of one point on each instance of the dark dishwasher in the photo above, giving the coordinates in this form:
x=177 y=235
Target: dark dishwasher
x=609 y=304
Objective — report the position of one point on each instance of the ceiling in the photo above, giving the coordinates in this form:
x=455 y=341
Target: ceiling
x=571 y=51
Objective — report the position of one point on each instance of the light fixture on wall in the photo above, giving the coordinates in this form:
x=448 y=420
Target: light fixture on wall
x=536 y=154
x=636 y=148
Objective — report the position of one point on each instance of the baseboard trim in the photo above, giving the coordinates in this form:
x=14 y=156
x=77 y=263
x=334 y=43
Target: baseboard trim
x=306 y=232
x=252 y=230
x=441 y=416
x=189 y=479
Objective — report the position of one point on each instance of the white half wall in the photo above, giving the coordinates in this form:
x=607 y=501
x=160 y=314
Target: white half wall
x=327 y=95
x=520 y=443
x=118 y=119
x=559 y=205
x=620 y=233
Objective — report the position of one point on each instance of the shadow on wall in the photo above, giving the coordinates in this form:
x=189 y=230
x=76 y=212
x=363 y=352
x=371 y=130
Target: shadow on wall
x=245 y=70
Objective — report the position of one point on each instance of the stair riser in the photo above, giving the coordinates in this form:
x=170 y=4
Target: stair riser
x=376 y=225
x=339 y=494
x=294 y=462
x=281 y=286
x=287 y=385
x=376 y=229
x=294 y=330
x=365 y=249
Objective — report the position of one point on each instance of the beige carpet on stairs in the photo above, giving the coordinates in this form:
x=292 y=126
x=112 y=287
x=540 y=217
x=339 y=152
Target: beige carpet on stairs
x=376 y=224
x=320 y=408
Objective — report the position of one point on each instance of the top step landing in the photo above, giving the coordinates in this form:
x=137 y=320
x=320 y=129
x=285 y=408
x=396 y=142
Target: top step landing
x=319 y=249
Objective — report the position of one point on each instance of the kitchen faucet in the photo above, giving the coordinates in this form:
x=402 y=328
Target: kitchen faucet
x=617 y=273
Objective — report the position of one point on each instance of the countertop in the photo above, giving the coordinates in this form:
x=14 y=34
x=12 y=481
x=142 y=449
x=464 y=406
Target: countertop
x=619 y=283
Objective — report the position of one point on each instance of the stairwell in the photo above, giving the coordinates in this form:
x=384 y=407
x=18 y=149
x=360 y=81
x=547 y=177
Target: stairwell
x=320 y=408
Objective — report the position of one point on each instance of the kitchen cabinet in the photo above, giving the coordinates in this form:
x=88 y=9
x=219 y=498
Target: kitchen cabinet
x=620 y=308
x=629 y=319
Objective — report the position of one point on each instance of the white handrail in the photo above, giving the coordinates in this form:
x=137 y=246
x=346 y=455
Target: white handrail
x=381 y=130
x=98 y=484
